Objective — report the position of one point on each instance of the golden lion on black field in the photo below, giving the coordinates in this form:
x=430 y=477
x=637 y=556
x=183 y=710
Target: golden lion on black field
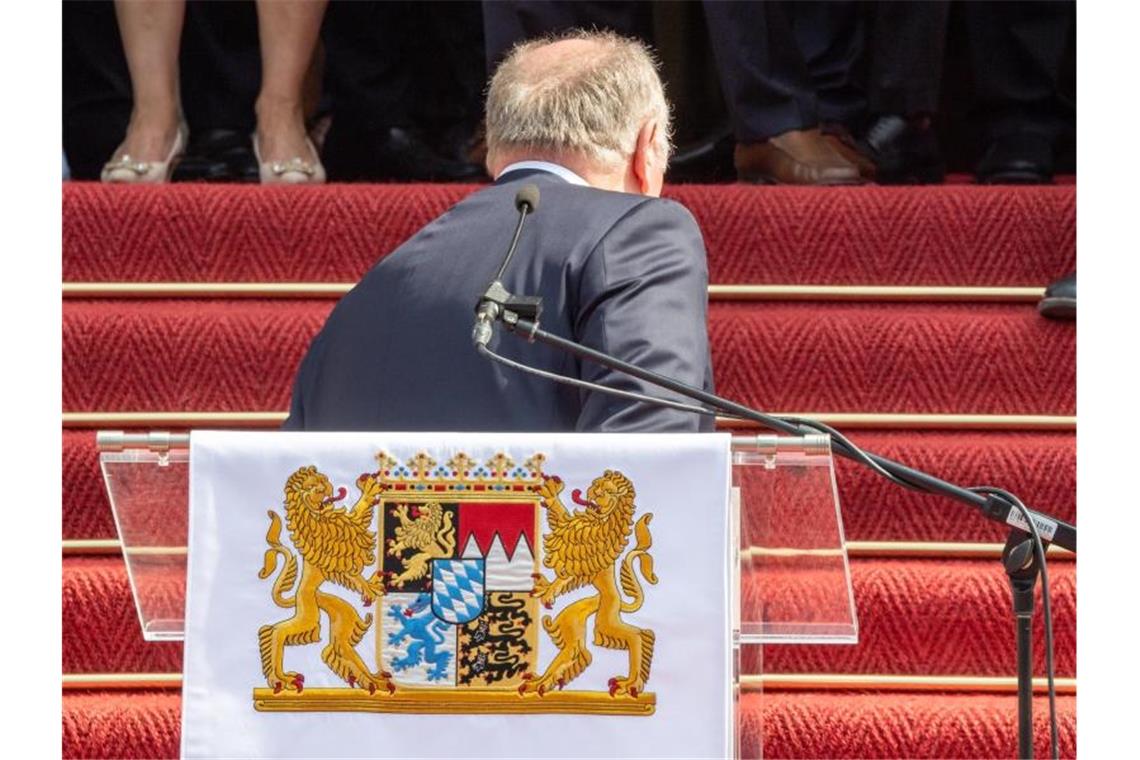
x=335 y=544
x=428 y=532
x=583 y=549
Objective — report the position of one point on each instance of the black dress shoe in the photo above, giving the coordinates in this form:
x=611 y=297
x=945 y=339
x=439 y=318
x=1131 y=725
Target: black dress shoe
x=218 y=155
x=1023 y=158
x=708 y=159
x=1060 y=301
x=354 y=154
x=462 y=143
x=904 y=150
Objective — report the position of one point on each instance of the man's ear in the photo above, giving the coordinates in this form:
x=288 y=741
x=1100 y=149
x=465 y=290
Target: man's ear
x=492 y=164
x=644 y=154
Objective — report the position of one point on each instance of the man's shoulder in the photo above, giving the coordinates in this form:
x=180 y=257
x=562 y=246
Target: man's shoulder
x=570 y=223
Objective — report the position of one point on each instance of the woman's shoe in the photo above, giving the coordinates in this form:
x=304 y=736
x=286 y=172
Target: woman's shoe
x=295 y=171
x=127 y=170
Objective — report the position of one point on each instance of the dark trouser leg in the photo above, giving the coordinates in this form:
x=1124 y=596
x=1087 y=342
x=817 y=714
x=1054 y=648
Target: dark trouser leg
x=451 y=73
x=96 y=87
x=771 y=98
x=506 y=22
x=374 y=78
x=906 y=57
x=220 y=74
x=1016 y=49
x=220 y=66
x=763 y=75
x=368 y=74
x=368 y=80
x=830 y=39
x=904 y=78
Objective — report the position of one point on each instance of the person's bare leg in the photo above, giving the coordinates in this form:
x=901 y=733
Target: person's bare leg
x=151 y=32
x=288 y=30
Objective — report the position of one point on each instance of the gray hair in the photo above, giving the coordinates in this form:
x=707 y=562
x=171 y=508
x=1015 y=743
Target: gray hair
x=589 y=106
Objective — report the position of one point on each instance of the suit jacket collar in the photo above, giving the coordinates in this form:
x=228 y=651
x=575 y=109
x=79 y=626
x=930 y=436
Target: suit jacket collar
x=552 y=167
x=518 y=175
x=529 y=167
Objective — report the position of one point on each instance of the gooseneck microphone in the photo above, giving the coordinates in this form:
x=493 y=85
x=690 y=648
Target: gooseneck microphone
x=496 y=298
x=1031 y=533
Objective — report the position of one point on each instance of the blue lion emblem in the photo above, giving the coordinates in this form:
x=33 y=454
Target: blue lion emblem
x=427 y=632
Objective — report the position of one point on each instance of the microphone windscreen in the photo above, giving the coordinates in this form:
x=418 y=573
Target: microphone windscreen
x=529 y=196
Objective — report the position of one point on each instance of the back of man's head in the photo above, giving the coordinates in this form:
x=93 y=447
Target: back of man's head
x=582 y=96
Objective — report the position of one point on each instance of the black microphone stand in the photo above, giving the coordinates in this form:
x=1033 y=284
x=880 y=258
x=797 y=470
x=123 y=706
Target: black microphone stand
x=1019 y=557
x=1022 y=568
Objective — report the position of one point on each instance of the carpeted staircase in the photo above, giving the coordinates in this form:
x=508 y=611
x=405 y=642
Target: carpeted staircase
x=970 y=384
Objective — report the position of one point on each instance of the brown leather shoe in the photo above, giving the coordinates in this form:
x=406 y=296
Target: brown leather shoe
x=843 y=142
x=796 y=157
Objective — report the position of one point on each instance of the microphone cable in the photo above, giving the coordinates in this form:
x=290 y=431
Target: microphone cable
x=843 y=441
x=566 y=380
x=854 y=452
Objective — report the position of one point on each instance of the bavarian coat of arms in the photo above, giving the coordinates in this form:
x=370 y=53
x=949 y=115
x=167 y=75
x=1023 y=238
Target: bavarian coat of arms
x=472 y=587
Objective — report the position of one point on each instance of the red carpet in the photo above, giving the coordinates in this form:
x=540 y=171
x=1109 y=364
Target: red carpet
x=948 y=235
x=899 y=725
x=843 y=724
x=919 y=617
x=242 y=355
x=1040 y=467
x=916 y=616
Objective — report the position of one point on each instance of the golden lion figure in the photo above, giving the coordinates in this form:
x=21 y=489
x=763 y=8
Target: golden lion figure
x=583 y=548
x=429 y=532
x=335 y=545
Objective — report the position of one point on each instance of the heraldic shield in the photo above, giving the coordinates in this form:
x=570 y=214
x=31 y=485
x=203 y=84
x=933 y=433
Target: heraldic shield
x=457 y=589
x=446 y=560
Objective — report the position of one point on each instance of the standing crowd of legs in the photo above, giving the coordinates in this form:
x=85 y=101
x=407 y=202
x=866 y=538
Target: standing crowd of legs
x=300 y=91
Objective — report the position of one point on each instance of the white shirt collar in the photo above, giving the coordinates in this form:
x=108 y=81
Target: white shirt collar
x=546 y=166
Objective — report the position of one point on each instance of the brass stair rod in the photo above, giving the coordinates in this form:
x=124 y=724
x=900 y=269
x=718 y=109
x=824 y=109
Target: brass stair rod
x=161 y=441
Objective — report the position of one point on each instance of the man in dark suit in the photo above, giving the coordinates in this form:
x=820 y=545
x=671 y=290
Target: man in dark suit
x=619 y=269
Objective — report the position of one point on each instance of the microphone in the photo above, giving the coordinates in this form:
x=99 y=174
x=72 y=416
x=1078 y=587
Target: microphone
x=496 y=297
x=528 y=196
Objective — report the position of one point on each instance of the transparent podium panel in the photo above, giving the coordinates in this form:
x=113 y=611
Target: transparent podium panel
x=149 y=493
x=791 y=583
x=795 y=582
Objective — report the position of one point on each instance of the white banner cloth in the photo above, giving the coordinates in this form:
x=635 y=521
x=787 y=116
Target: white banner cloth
x=458 y=595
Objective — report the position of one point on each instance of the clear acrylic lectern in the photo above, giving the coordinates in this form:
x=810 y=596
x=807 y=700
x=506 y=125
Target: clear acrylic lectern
x=793 y=582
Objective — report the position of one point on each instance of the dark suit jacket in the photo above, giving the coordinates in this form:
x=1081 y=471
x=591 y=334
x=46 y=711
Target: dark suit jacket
x=622 y=273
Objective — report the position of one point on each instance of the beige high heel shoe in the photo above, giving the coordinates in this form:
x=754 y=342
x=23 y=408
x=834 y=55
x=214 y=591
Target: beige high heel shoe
x=126 y=170
x=295 y=171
